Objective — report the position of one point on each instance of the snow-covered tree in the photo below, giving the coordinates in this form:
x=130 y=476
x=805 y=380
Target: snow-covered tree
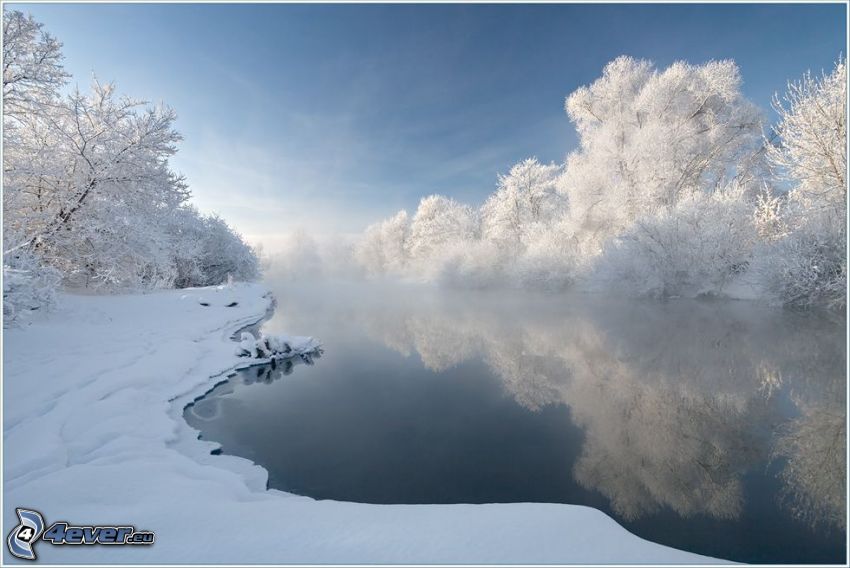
x=32 y=77
x=470 y=264
x=649 y=137
x=186 y=231
x=526 y=199
x=32 y=65
x=96 y=207
x=812 y=135
x=225 y=253
x=89 y=192
x=439 y=221
x=381 y=248
x=805 y=261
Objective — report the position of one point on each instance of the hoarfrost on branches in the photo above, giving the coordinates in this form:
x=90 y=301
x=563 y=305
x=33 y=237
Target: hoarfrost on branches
x=673 y=190
x=89 y=193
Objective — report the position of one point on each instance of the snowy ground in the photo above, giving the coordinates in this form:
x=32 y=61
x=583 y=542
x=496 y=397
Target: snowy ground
x=93 y=434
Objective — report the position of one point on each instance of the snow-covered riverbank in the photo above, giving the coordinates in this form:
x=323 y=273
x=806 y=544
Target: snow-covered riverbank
x=93 y=434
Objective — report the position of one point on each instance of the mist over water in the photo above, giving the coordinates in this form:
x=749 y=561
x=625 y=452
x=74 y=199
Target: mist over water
x=715 y=427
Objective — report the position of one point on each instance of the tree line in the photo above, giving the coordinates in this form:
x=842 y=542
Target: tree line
x=90 y=199
x=678 y=187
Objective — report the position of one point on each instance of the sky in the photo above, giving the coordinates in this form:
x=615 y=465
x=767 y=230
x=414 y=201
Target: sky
x=330 y=117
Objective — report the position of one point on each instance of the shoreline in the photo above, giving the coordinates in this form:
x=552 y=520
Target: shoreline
x=102 y=439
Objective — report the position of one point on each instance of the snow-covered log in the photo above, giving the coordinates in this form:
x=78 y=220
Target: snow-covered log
x=276 y=346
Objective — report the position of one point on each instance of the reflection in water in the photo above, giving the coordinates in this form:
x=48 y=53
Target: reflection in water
x=679 y=403
x=814 y=446
x=209 y=407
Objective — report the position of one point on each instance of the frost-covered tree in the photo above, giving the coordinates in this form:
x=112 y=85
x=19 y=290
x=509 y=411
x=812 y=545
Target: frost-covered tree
x=439 y=221
x=470 y=264
x=812 y=134
x=526 y=199
x=32 y=65
x=649 y=137
x=673 y=190
x=381 y=248
x=32 y=77
x=185 y=229
x=204 y=250
x=225 y=253
x=94 y=206
x=805 y=261
x=89 y=192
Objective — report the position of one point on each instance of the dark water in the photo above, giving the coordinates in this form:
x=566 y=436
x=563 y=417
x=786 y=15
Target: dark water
x=713 y=427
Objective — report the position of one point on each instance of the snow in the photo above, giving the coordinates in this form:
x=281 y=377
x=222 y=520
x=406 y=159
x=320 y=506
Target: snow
x=93 y=434
x=265 y=348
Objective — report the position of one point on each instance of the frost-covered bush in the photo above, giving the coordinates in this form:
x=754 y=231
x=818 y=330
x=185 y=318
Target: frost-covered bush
x=28 y=285
x=696 y=247
x=549 y=260
x=806 y=266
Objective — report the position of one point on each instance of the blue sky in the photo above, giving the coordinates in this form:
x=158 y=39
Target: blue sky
x=329 y=117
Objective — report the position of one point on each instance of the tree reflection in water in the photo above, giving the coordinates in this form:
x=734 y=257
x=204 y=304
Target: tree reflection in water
x=677 y=400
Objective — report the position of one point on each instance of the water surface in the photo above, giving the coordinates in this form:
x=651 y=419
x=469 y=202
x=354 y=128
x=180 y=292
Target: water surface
x=713 y=427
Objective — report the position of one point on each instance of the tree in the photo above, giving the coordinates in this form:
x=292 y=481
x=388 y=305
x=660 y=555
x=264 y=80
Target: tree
x=95 y=208
x=89 y=192
x=526 y=197
x=673 y=190
x=805 y=259
x=32 y=65
x=649 y=137
x=812 y=134
x=381 y=249
x=438 y=222
x=224 y=253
